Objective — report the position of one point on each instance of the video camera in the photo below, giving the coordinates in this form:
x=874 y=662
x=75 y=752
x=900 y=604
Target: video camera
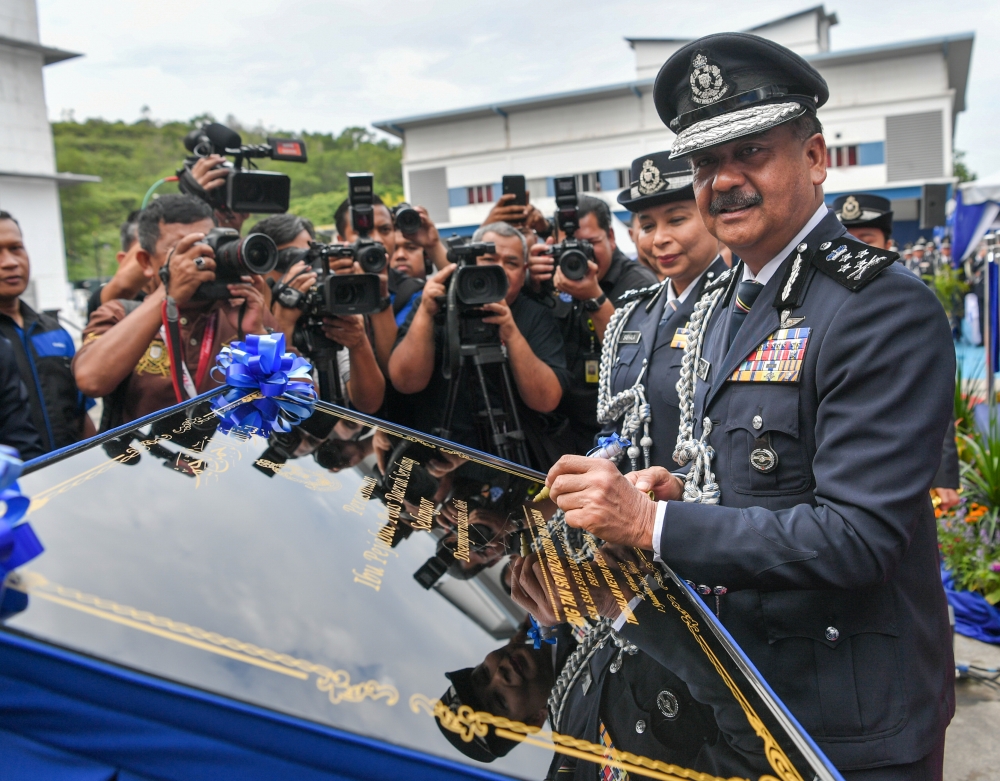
x=246 y=190
x=407 y=219
x=571 y=254
x=234 y=259
x=340 y=294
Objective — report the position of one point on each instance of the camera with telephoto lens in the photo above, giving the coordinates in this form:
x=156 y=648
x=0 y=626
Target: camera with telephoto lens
x=246 y=189
x=234 y=259
x=571 y=254
x=333 y=294
x=407 y=219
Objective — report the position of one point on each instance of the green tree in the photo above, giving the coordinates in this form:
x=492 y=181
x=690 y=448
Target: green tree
x=131 y=157
x=960 y=169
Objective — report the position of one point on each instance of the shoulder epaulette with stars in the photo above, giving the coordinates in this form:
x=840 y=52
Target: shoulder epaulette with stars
x=638 y=293
x=850 y=262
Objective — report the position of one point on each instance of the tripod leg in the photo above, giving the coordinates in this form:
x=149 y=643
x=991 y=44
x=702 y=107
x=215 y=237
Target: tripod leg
x=499 y=438
x=517 y=434
x=449 y=411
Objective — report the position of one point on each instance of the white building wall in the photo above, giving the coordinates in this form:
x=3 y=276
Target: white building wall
x=26 y=147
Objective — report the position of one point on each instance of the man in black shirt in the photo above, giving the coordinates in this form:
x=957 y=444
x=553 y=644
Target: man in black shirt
x=583 y=309
x=526 y=328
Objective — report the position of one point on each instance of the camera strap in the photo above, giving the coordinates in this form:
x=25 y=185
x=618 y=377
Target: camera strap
x=170 y=333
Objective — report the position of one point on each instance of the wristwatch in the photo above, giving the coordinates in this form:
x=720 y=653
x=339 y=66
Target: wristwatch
x=384 y=303
x=593 y=304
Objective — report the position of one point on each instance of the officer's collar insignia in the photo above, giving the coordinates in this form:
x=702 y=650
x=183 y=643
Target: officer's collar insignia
x=634 y=293
x=778 y=359
x=850 y=262
x=851 y=209
x=719 y=281
x=708 y=85
x=649 y=179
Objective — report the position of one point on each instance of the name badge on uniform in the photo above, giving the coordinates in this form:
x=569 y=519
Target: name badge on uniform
x=680 y=339
x=778 y=359
x=630 y=337
x=592 y=370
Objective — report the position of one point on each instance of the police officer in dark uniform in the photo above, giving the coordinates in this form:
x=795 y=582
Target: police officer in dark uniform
x=815 y=375
x=644 y=342
x=592 y=685
x=868 y=218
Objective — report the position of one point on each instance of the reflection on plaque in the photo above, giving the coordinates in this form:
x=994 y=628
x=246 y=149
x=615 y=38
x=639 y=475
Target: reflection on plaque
x=359 y=575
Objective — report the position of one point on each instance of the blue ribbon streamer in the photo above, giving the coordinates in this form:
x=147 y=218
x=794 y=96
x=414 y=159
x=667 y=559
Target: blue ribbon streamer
x=535 y=634
x=283 y=379
x=18 y=543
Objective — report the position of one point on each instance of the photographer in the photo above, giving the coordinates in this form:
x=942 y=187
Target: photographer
x=360 y=375
x=408 y=268
x=534 y=347
x=583 y=308
x=207 y=174
x=124 y=356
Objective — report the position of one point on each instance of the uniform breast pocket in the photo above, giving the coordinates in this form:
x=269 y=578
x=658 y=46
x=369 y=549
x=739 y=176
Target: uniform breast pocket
x=767 y=456
x=626 y=367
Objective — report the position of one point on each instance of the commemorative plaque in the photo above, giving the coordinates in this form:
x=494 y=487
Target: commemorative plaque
x=357 y=574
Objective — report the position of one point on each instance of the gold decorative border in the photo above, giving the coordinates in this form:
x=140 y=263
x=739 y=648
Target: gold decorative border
x=335 y=683
x=776 y=756
x=469 y=724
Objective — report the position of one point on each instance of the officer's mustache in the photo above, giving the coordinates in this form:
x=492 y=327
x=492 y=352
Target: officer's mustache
x=734 y=200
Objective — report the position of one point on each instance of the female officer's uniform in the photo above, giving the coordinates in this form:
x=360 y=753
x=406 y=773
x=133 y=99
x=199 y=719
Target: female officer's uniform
x=644 y=344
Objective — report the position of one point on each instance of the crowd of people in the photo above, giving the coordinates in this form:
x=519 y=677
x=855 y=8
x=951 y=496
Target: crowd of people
x=776 y=347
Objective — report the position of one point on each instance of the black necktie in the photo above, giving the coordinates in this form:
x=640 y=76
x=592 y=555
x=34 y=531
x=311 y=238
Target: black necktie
x=746 y=294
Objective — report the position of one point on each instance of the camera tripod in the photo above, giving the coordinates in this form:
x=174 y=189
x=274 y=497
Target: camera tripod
x=323 y=353
x=506 y=436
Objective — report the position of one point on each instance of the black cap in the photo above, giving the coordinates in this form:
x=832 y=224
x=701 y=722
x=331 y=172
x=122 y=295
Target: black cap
x=730 y=85
x=482 y=748
x=657 y=179
x=863 y=210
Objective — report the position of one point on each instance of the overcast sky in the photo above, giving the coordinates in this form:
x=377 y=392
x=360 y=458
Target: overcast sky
x=322 y=65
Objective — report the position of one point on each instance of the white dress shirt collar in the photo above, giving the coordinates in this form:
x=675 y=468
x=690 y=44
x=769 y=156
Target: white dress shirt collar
x=680 y=299
x=765 y=274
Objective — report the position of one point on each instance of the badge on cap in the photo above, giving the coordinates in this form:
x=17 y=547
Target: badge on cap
x=707 y=82
x=649 y=178
x=851 y=209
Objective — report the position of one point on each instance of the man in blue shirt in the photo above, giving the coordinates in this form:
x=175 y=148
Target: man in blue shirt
x=42 y=348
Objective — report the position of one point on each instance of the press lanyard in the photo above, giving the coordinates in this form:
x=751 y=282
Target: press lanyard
x=175 y=348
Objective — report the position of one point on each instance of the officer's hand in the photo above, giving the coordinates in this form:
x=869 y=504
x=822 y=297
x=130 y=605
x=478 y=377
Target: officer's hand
x=580 y=289
x=595 y=496
x=665 y=486
x=540 y=265
x=434 y=288
x=207 y=172
x=183 y=265
x=348 y=330
x=505 y=210
x=501 y=317
x=250 y=291
x=948 y=498
x=526 y=589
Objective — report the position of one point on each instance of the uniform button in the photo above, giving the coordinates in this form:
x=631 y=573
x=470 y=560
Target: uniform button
x=193 y=342
x=802 y=247
x=640 y=726
x=832 y=633
x=184 y=321
x=704 y=590
x=758 y=421
x=719 y=590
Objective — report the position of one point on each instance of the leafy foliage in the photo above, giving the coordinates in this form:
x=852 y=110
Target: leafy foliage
x=131 y=157
x=968 y=535
x=960 y=169
x=950 y=288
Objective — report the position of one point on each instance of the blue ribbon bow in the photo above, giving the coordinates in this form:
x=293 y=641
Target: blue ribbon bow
x=18 y=543
x=535 y=634
x=609 y=447
x=283 y=379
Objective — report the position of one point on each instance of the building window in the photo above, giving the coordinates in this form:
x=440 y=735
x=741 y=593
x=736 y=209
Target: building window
x=481 y=193
x=624 y=177
x=841 y=156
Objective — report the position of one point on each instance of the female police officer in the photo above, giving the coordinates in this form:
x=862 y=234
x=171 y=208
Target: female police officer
x=644 y=344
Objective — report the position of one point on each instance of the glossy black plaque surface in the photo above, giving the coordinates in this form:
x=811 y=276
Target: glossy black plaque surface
x=282 y=573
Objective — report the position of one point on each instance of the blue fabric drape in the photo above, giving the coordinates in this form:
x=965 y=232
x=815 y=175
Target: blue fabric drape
x=974 y=616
